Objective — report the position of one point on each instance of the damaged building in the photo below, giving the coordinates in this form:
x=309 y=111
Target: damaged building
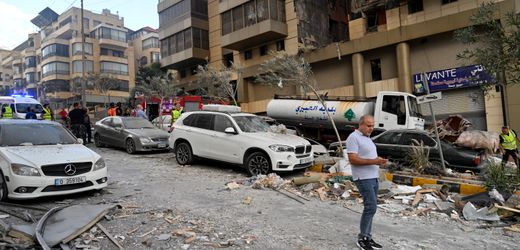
x=355 y=47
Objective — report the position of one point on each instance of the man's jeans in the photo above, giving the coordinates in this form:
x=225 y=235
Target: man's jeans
x=368 y=189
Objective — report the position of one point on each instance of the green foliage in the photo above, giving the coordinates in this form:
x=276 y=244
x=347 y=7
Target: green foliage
x=500 y=177
x=217 y=82
x=419 y=157
x=493 y=44
x=144 y=74
x=102 y=83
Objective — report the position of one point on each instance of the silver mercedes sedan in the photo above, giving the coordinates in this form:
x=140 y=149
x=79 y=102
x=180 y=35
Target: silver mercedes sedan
x=131 y=133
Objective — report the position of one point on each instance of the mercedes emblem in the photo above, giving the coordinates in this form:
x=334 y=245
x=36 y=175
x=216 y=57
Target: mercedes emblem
x=70 y=169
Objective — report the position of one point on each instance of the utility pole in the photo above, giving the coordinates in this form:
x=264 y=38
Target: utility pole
x=439 y=146
x=83 y=83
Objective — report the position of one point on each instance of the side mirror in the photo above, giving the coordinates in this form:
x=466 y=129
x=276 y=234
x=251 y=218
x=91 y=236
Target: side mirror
x=79 y=141
x=230 y=130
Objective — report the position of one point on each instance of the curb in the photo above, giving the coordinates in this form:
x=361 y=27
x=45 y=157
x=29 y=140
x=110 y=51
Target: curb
x=456 y=187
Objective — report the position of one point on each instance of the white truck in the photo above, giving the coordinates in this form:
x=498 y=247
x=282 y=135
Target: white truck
x=391 y=110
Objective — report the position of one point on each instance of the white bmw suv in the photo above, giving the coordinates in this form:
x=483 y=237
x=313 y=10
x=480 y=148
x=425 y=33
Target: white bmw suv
x=238 y=138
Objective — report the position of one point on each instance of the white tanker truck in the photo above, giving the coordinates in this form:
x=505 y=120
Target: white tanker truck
x=391 y=110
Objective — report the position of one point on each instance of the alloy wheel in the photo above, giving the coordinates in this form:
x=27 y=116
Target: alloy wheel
x=259 y=165
x=130 y=146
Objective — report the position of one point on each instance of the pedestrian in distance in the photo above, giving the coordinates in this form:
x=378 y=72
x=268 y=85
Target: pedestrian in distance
x=140 y=112
x=30 y=114
x=111 y=110
x=77 y=120
x=119 y=110
x=47 y=113
x=362 y=154
x=509 y=145
x=64 y=116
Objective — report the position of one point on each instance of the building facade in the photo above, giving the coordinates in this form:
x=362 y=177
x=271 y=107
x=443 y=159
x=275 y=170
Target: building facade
x=145 y=42
x=356 y=48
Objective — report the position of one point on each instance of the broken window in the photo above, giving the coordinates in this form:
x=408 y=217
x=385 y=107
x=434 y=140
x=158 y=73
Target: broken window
x=250 y=14
x=333 y=30
x=375 y=67
x=415 y=6
x=261 y=9
x=248 y=54
x=228 y=59
x=280 y=45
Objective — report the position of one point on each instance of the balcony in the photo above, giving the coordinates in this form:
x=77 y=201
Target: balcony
x=185 y=58
x=109 y=43
x=164 y=4
x=258 y=33
x=107 y=58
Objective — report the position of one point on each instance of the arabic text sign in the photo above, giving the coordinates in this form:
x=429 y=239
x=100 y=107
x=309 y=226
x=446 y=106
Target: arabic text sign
x=429 y=98
x=455 y=78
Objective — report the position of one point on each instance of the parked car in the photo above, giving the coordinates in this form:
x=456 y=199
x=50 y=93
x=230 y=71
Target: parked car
x=317 y=147
x=163 y=122
x=238 y=138
x=41 y=158
x=131 y=133
x=397 y=144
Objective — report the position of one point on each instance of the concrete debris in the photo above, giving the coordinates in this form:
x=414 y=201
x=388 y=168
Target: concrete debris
x=471 y=213
x=232 y=185
x=163 y=237
x=494 y=194
x=247 y=200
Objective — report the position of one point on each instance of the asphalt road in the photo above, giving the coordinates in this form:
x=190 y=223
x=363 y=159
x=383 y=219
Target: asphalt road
x=166 y=206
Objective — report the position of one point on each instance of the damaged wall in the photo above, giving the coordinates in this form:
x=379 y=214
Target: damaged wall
x=321 y=22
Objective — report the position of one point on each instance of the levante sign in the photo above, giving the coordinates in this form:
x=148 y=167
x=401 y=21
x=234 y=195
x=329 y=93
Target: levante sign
x=456 y=78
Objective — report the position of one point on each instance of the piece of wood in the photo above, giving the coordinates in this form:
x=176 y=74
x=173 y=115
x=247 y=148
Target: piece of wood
x=105 y=231
x=133 y=230
x=301 y=196
x=513 y=228
x=417 y=199
x=507 y=208
x=306 y=179
x=147 y=233
x=294 y=198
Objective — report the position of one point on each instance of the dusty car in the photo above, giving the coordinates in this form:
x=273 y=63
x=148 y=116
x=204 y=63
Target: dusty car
x=397 y=144
x=131 y=133
x=163 y=122
x=238 y=138
x=42 y=158
x=317 y=148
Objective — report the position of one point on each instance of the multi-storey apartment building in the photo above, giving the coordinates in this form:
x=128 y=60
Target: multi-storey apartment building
x=146 y=46
x=356 y=48
x=49 y=63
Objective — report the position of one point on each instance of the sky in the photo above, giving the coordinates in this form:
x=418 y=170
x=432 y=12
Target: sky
x=16 y=15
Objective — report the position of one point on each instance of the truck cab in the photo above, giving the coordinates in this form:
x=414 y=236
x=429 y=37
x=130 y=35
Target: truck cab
x=397 y=110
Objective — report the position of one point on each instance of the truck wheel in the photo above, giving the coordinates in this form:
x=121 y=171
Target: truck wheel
x=258 y=163
x=183 y=153
x=3 y=188
x=130 y=146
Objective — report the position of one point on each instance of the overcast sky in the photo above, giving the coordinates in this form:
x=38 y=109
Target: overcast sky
x=16 y=15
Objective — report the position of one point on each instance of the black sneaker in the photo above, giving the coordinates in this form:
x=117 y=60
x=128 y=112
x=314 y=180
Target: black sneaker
x=375 y=245
x=364 y=244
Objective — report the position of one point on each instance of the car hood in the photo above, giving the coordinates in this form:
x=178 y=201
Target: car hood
x=48 y=154
x=270 y=138
x=149 y=132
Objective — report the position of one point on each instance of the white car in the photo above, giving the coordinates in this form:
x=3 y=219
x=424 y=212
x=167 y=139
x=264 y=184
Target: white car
x=163 y=122
x=42 y=158
x=238 y=138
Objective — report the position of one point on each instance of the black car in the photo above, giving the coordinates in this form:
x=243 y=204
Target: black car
x=397 y=144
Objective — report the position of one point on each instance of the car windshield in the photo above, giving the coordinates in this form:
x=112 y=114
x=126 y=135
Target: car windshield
x=137 y=123
x=22 y=107
x=251 y=124
x=34 y=134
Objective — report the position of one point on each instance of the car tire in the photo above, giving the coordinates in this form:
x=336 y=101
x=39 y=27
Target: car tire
x=183 y=153
x=258 y=163
x=97 y=141
x=3 y=188
x=130 y=146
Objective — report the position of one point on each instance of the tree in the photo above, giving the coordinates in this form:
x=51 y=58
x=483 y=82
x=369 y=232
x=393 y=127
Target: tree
x=162 y=87
x=144 y=74
x=217 y=82
x=103 y=83
x=291 y=70
x=494 y=44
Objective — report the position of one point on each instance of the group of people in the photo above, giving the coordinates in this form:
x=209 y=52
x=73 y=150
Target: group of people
x=116 y=110
x=78 y=121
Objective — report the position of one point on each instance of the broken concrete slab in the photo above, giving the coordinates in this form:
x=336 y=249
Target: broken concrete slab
x=471 y=213
x=64 y=224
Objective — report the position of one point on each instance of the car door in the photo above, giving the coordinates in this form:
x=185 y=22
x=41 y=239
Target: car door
x=111 y=132
x=102 y=129
x=119 y=132
x=228 y=147
x=387 y=145
x=200 y=135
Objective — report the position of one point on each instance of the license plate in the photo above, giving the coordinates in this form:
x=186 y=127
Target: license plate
x=161 y=145
x=71 y=180
x=305 y=160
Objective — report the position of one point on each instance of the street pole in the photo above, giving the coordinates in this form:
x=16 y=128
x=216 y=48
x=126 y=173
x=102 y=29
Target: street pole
x=425 y=81
x=83 y=84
